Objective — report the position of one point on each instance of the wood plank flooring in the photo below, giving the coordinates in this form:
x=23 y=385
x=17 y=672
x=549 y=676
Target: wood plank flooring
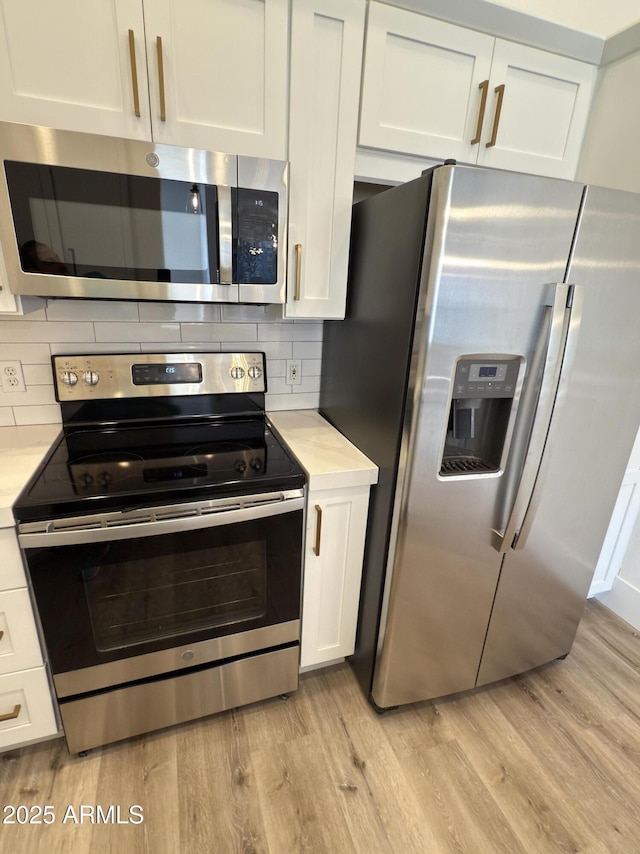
x=547 y=762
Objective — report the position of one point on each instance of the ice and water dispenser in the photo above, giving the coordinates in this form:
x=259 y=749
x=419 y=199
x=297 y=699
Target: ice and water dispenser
x=483 y=392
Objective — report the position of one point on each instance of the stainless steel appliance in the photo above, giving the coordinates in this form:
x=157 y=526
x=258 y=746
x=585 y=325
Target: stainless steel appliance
x=489 y=365
x=163 y=539
x=98 y=217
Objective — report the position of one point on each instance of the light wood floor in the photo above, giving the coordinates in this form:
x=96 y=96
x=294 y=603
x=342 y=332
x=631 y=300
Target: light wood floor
x=548 y=762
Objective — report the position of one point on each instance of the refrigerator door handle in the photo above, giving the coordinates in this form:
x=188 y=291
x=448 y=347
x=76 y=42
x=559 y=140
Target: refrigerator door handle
x=535 y=410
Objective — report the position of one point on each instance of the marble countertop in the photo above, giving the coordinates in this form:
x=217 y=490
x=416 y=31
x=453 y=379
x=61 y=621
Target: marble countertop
x=328 y=458
x=21 y=451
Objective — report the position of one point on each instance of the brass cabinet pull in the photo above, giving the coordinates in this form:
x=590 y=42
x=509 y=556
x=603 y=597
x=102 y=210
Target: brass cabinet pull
x=1 y=632
x=296 y=292
x=134 y=73
x=163 y=106
x=496 y=119
x=316 y=548
x=484 y=88
x=11 y=716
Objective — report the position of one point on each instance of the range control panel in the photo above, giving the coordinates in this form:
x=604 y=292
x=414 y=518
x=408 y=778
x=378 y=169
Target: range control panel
x=104 y=376
x=478 y=377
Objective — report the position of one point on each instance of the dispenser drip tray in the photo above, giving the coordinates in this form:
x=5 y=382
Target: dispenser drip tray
x=466 y=465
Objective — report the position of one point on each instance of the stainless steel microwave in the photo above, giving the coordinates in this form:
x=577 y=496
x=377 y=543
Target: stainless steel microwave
x=102 y=218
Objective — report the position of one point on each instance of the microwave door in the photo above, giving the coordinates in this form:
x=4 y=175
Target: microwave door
x=259 y=230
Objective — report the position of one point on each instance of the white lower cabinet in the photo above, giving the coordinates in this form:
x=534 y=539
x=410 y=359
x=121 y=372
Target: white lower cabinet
x=336 y=527
x=26 y=707
x=26 y=711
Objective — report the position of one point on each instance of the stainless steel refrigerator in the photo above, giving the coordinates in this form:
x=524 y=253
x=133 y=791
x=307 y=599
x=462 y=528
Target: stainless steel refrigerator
x=490 y=365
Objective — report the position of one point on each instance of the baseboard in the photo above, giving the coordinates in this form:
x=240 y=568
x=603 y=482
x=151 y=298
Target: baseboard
x=624 y=600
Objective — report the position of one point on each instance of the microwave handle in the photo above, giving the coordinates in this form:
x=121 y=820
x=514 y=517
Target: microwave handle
x=225 y=235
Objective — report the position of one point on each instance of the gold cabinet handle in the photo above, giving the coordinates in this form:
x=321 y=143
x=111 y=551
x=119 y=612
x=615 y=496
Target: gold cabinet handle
x=163 y=106
x=296 y=291
x=499 y=90
x=484 y=88
x=316 y=548
x=134 y=73
x=1 y=632
x=11 y=716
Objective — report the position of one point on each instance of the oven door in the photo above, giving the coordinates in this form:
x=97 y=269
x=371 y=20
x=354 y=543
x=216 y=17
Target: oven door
x=126 y=596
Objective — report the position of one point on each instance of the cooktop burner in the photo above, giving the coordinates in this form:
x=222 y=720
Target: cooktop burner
x=160 y=446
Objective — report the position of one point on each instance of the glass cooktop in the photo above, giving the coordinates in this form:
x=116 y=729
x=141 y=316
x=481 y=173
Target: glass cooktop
x=92 y=469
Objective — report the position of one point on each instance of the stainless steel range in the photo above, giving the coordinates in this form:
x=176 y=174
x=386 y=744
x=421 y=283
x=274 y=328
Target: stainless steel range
x=163 y=538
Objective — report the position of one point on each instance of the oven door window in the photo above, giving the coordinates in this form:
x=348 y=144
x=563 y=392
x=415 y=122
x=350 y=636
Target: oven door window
x=100 y=602
x=133 y=599
x=78 y=222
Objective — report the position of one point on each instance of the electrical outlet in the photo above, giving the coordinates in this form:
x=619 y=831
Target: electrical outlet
x=294 y=372
x=11 y=376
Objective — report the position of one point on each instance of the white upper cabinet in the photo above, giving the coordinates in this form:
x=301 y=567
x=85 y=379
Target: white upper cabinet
x=326 y=56
x=219 y=73
x=200 y=73
x=437 y=90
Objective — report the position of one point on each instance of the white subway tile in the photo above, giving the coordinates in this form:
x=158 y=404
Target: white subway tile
x=182 y=347
x=307 y=349
x=6 y=417
x=37 y=374
x=194 y=312
x=276 y=367
x=308 y=331
x=37 y=415
x=108 y=310
x=251 y=313
x=311 y=367
x=35 y=395
x=219 y=332
x=277 y=385
x=271 y=349
x=33 y=308
x=308 y=384
x=45 y=331
x=29 y=354
x=93 y=347
x=138 y=332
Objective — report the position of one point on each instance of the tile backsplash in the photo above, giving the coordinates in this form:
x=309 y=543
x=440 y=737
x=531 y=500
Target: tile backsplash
x=49 y=327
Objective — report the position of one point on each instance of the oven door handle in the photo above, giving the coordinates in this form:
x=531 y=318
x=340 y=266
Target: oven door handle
x=154 y=521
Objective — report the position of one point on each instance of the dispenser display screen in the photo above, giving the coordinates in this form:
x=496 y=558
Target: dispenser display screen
x=496 y=372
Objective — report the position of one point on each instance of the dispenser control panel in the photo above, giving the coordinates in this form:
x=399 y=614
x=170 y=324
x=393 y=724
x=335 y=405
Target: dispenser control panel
x=477 y=377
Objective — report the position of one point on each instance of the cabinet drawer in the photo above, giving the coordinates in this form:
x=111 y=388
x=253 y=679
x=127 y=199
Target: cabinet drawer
x=25 y=705
x=11 y=569
x=19 y=644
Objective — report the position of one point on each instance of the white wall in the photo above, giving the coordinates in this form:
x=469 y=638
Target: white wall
x=590 y=16
x=86 y=326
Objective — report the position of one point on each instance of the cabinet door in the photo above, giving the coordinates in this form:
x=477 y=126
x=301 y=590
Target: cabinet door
x=19 y=644
x=421 y=85
x=69 y=65
x=326 y=54
x=11 y=568
x=336 y=527
x=26 y=711
x=219 y=79
x=544 y=111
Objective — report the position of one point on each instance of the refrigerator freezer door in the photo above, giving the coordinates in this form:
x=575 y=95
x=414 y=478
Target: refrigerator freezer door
x=543 y=585
x=494 y=242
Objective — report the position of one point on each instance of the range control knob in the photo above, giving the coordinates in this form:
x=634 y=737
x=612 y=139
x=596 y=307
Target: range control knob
x=240 y=466
x=91 y=377
x=255 y=372
x=237 y=372
x=69 y=377
x=256 y=464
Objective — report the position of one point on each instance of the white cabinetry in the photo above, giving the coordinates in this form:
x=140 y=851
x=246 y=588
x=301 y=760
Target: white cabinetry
x=339 y=479
x=336 y=528
x=26 y=710
x=326 y=54
x=205 y=75
x=437 y=90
